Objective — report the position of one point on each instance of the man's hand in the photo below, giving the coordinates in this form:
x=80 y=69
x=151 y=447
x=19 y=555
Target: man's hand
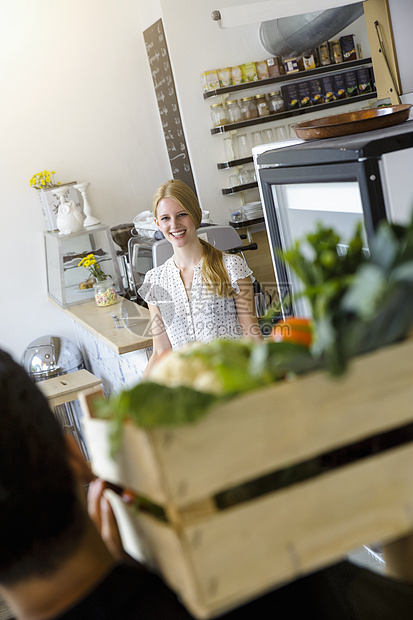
x=102 y=515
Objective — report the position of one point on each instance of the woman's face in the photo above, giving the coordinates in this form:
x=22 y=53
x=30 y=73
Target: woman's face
x=174 y=222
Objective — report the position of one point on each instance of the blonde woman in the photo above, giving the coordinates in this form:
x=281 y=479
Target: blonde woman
x=200 y=293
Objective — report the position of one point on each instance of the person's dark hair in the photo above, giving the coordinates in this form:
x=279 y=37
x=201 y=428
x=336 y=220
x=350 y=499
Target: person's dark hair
x=41 y=516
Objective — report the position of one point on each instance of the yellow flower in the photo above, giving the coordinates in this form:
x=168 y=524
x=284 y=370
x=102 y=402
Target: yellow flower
x=42 y=180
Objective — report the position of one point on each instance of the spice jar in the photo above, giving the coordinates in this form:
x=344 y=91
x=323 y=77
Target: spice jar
x=234 y=111
x=218 y=115
x=248 y=108
x=262 y=105
x=275 y=102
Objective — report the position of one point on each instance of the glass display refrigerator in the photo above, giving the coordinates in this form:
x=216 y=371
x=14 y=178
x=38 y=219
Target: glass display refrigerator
x=364 y=177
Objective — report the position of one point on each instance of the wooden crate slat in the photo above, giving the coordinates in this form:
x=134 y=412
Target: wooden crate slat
x=135 y=467
x=286 y=423
x=239 y=553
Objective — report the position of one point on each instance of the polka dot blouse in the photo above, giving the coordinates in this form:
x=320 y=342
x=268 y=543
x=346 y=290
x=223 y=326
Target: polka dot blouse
x=202 y=317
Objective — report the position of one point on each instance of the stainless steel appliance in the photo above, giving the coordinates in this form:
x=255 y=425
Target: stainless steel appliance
x=52 y=356
x=363 y=177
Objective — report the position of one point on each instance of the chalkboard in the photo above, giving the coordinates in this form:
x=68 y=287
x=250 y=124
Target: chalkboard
x=163 y=81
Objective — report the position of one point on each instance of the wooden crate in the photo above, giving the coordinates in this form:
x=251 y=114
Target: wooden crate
x=217 y=559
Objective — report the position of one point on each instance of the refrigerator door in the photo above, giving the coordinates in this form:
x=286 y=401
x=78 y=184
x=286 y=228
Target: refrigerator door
x=295 y=200
x=338 y=182
x=396 y=171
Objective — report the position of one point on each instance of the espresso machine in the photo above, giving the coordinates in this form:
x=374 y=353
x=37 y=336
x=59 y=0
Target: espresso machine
x=121 y=235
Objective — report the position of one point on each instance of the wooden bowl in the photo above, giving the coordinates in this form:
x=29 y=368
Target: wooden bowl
x=352 y=122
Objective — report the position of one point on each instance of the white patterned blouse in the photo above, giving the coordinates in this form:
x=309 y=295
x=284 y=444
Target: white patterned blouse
x=202 y=317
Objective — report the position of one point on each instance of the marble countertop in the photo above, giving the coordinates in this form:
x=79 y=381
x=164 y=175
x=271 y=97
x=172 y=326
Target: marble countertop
x=99 y=322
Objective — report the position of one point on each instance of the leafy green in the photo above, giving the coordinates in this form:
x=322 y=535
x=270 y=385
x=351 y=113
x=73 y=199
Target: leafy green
x=359 y=302
x=150 y=404
x=242 y=365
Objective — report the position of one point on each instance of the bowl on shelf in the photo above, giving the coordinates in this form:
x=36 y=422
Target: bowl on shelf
x=356 y=121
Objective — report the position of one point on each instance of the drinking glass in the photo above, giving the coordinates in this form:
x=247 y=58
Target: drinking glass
x=230 y=148
x=281 y=133
x=256 y=138
x=267 y=135
x=243 y=147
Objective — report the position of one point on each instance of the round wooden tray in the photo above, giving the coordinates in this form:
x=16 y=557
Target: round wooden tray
x=352 y=122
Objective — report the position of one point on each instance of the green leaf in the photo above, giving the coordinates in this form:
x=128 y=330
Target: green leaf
x=384 y=247
x=364 y=294
x=150 y=405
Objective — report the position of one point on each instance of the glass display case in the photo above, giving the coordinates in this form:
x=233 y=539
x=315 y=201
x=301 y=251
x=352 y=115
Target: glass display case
x=63 y=254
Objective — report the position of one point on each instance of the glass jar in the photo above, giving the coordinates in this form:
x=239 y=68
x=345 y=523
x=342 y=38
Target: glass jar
x=105 y=294
x=234 y=111
x=218 y=115
x=275 y=102
x=248 y=108
x=262 y=105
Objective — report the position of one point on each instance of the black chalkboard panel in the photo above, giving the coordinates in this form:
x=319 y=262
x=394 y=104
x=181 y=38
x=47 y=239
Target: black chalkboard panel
x=164 y=85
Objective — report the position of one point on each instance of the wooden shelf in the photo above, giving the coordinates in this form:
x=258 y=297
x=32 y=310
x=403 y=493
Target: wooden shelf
x=292 y=113
x=235 y=162
x=291 y=77
x=238 y=188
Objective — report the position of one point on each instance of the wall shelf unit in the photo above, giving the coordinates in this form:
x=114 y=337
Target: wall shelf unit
x=295 y=77
x=291 y=113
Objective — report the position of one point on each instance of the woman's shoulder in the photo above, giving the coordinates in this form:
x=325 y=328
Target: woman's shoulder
x=236 y=266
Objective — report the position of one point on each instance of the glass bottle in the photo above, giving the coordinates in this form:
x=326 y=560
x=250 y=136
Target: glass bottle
x=262 y=105
x=218 y=115
x=234 y=111
x=248 y=108
x=105 y=294
x=275 y=102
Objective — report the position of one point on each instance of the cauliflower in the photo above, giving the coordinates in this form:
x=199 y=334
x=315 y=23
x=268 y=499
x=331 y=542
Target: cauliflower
x=178 y=368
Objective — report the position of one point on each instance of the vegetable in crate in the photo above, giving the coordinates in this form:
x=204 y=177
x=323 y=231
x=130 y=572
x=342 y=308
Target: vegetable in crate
x=185 y=383
x=359 y=301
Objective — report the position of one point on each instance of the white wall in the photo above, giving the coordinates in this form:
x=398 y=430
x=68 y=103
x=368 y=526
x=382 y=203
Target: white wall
x=76 y=97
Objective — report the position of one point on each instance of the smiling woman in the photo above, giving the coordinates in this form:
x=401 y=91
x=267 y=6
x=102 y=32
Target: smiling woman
x=200 y=293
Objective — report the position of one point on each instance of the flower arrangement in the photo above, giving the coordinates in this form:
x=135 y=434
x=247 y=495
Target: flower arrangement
x=105 y=294
x=95 y=270
x=43 y=180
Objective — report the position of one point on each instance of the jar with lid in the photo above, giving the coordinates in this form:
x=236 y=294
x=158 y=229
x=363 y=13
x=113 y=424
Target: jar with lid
x=262 y=105
x=233 y=111
x=275 y=102
x=248 y=108
x=218 y=115
x=105 y=294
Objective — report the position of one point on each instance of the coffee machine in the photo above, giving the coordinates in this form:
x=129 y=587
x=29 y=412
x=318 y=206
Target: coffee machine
x=121 y=235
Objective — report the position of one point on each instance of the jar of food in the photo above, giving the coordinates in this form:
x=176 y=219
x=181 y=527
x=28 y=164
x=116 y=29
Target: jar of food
x=324 y=54
x=275 y=102
x=336 y=53
x=248 y=108
x=105 y=294
x=262 y=105
x=234 y=111
x=218 y=115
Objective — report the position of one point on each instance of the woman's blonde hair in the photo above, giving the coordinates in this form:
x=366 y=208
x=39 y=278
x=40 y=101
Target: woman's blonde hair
x=213 y=272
